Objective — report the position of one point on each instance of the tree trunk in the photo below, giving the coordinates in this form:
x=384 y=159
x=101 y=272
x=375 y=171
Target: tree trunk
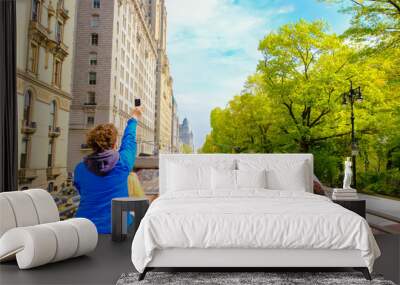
x=304 y=146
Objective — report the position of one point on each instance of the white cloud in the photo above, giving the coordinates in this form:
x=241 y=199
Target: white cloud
x=285 y=9
x=212 y=45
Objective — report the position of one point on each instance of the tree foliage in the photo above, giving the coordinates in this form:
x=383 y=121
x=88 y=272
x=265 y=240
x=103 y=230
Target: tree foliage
x=374 y=23
x=293 y=103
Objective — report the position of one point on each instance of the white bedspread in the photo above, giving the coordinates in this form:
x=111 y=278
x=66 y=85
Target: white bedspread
x=250 y=219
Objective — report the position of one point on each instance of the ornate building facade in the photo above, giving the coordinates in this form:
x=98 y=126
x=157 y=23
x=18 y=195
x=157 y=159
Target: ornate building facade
x=175 y=147
x=115 y=63
x=45 y=48
x=156 y=15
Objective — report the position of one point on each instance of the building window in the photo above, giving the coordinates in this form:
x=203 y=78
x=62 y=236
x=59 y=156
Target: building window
x=94 y=22
x=27 y=107
x=92 y=78
x=96 y=4
x=34 y=57
x=57 y=73
x=46 y=59
x=50 y=154
x=95 y=39
x=59 y=31
x=90 y=121
x=49 y=16
x=52 y=115
x=35 y=10
x=24 y=153
x=93 y=58
x=91 y=99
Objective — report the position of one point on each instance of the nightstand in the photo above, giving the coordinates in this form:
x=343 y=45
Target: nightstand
x=357 y=206
x=120 y=208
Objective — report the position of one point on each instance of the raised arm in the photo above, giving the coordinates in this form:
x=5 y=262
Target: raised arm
x=127 y=151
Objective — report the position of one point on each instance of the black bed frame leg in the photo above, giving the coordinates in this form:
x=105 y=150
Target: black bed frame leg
x=364 y=271
x=143 y=274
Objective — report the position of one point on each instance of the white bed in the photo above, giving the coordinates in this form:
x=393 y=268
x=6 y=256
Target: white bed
x=209 y=226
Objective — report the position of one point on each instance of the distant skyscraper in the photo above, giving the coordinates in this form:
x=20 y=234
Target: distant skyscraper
x=186 y=134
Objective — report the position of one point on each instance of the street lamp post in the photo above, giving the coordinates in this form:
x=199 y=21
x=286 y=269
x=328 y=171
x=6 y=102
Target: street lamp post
x=352 y=96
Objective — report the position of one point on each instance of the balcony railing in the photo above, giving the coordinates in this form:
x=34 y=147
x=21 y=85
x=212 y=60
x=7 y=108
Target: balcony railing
x=28 y=127
x=26 y=174
x=61 y=10
x=53 y=40
x=54 y=131
x=89 y=105
x=53 y=172
x=85 y=147
x=38 y=29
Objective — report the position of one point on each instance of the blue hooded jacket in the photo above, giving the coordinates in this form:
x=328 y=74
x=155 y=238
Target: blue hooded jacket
x=97 y=187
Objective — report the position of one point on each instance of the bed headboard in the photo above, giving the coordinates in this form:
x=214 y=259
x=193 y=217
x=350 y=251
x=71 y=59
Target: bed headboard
x=215 y=159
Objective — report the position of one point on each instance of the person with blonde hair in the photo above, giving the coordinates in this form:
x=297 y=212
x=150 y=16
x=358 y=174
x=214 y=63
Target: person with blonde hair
x=135 y=189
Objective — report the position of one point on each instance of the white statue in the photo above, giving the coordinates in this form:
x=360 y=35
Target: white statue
x=348 y=174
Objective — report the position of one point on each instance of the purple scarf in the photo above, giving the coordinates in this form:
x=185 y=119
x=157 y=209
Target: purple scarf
x=102 y=162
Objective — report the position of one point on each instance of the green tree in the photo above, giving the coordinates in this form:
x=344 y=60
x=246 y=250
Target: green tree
x=374 y=23
x=304 y=72
x=293 y=104
x=241 y=127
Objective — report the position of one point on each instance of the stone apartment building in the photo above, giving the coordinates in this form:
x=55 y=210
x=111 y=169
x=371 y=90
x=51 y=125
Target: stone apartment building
x=175 y=147
x=164 y=108
x=45 y=50
x=156 y=15
x=115 y=62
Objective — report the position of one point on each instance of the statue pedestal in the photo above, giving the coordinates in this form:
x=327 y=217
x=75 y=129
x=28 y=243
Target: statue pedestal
x=344 y=194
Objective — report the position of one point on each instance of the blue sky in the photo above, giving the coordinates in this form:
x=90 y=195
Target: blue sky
x=212 y=47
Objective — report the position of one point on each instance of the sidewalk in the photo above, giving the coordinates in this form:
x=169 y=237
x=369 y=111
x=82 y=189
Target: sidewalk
x=387 y=206
x=383 y=205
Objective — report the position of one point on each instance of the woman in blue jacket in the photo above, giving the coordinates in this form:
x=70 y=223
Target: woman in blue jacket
x=103 y=175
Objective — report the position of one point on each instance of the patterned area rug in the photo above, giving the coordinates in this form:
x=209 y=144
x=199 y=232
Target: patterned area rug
x=229 y=278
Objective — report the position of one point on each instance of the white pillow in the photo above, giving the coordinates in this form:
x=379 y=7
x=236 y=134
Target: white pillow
x=223 y=179
x=293 y=178
x=251 y=178
x=181 y=177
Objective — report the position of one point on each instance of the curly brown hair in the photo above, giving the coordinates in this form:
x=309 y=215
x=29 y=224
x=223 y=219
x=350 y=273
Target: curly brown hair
x=102 y=137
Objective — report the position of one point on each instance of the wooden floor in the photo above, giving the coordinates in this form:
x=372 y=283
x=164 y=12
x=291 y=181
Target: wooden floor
x=110 y=260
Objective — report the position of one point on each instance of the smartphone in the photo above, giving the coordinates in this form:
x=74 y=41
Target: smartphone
x=137 y=103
